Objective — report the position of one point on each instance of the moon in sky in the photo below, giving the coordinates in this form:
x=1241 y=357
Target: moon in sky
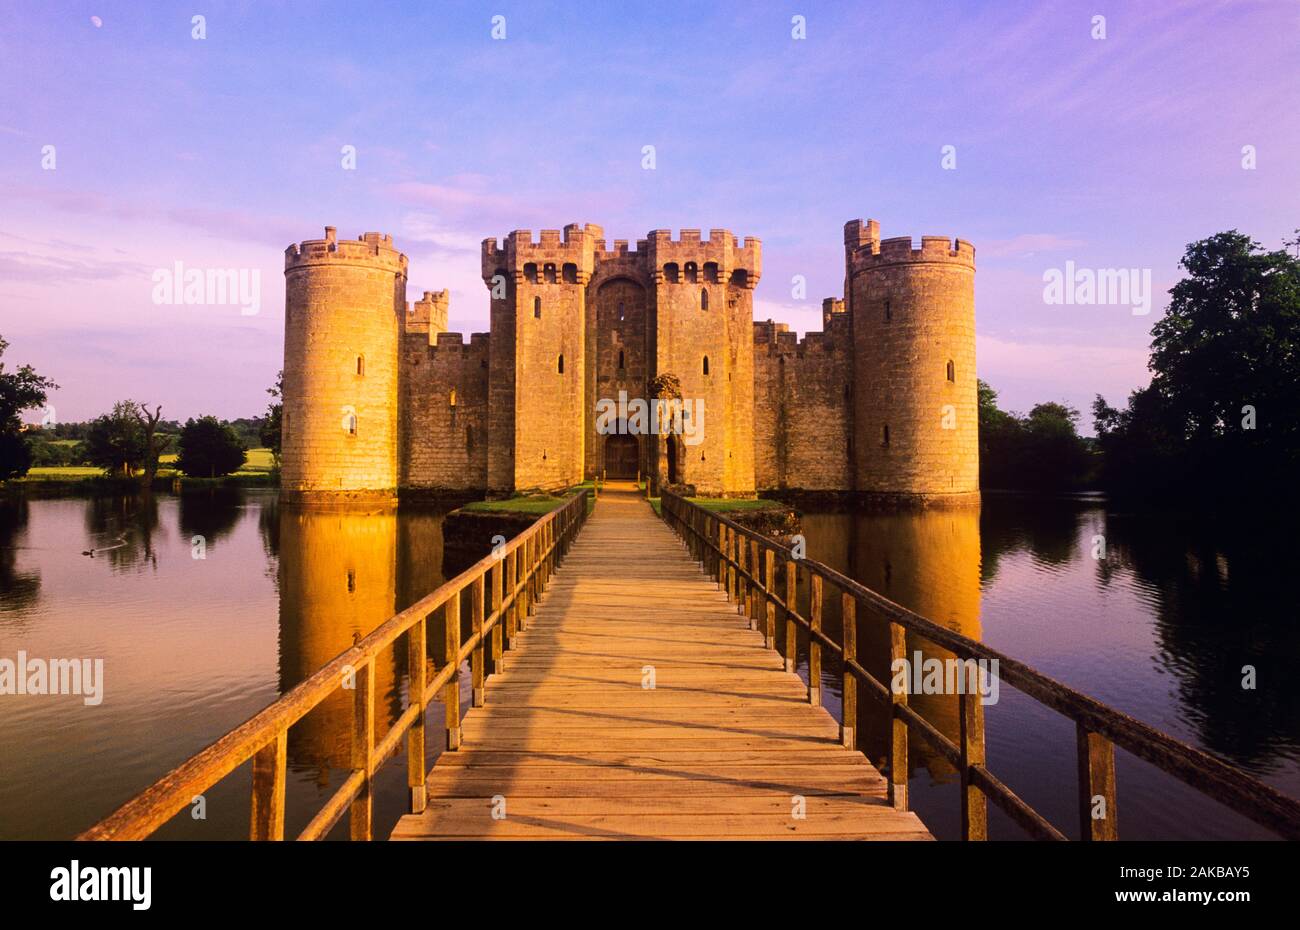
x=97 y=21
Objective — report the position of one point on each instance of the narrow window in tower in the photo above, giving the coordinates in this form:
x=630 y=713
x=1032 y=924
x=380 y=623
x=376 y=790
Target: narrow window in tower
x=561 y=365
x=451 y=398
x=952 y=371
x=620 y=359
x=884 y=438
x=549 y=273
x=352 y=424
x=706 y=364
x=888 y=313
x=704 y=299
x=537 y=308
x=352 y=581
x=620 y=316
x=361 y=365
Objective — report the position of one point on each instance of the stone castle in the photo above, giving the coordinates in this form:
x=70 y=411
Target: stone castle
x=379 y=399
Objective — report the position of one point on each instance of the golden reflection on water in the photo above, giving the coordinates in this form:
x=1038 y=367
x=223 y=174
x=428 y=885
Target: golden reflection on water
x=929 y=562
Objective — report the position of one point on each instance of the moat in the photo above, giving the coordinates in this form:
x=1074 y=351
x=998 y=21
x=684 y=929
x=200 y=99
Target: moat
x=1160 y=628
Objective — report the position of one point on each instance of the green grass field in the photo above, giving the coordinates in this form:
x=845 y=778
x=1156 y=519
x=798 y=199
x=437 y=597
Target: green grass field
x=257 y=463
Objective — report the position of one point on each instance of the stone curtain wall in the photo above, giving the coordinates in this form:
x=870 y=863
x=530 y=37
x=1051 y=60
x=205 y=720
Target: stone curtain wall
x=446 y=445
x=802 y=408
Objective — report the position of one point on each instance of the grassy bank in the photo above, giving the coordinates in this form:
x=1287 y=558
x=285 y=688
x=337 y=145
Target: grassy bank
x=535 y=504
x=257 y=470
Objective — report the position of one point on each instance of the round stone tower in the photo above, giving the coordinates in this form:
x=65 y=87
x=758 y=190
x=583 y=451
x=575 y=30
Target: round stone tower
x=342 y=310
x=916 y=430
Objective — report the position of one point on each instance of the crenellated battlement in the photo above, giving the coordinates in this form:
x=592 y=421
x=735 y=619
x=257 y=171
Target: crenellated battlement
x=573 y=246
x=372 y=248
x=673 y=260
x=865 y=249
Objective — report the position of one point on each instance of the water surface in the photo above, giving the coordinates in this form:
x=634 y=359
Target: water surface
x=1160 y=628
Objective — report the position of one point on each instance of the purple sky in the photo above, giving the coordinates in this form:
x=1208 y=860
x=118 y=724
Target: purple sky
x=1111 y=153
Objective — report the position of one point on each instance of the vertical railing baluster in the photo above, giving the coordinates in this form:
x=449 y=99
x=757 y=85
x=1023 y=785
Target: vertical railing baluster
x=417 y=690
x=769 y=587
x=498 y=656
x=974 y=806
x=511 y=582
x=363 y=749
x=269 y=765
x=742 y=586
x=898 y=726
x=849 y=643
x=477 y=657
x=724 y=580
x=451 y=653
x=756 y=588
x=1096 y=786
x=814 y=644
x=791 y=604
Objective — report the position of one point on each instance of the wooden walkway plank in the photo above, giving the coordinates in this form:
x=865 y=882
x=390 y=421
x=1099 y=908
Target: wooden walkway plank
x=639 y=704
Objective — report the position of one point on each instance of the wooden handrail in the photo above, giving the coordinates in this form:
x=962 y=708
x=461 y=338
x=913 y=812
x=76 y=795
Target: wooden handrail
x=519 y=568
x=715 y=541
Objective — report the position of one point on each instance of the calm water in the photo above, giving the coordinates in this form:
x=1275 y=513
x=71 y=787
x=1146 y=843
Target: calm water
x=191 y=648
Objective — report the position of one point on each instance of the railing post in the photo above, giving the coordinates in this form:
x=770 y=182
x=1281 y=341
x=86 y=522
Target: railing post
x=724 y=553
x=524 y=583
x=724 y=573
x=417 y=689
x=791 y=602
x=756 y=588
x=511 y=582
x=769 y=579
x=719 y=566
x=974 y=806
x=477 y=657
x=897 y=725
x=269 y=764
x=451 y=691
x=849 y=643
x=742 y=586
x=497 y=630
x=363 y=748
x=1097 y=816
x=814 y=645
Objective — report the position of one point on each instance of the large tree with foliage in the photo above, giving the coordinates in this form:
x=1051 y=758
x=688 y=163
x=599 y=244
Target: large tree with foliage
x=19 y=390
x=209 y=448
x=1222 y=412
x=116 y=441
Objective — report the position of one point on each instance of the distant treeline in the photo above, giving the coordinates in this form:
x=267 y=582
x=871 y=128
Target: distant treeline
x=1218 y=426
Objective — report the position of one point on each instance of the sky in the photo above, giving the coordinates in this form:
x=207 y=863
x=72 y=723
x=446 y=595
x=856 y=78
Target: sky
x=218 y=152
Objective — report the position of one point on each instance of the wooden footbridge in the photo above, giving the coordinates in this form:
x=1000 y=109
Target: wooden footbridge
x=636 y=692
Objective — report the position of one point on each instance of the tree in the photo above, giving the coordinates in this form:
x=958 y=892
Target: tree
x=999 y=441
x=1222 y=413
x=116 y=441
x=270 y=435
x=1039 y=452
x=1053 y=455
x=19 y=390
x=209 y=448
x=155 y=443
